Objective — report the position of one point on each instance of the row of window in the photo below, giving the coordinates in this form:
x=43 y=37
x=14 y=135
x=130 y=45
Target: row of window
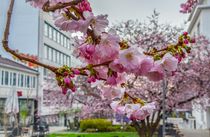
x=17 y=79
x=56 y=56
x=56 y=36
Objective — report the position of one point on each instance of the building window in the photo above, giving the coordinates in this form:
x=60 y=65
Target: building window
x=34 y=82
x=6 y=80
x=2 y=77
x=45 y=29
x=54 y=57
x=68 y=43
x=50 y=32
x=64 y=59
x=198 y=29
x=68 y=60
x=54 y=35
x=10 y=79
x=22 y=80
x=28 y=81
x=19 y=80
x=56 y=52
x=64 y=42
x=14 y=79
x=58 y=37
x=50 y=54
x=61 y=39
x=58 y=59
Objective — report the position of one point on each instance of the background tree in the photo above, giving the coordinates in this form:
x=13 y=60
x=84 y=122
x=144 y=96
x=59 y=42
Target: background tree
x=190 y=82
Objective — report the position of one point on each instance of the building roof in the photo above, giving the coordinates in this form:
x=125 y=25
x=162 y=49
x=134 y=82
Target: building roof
x=13 y=64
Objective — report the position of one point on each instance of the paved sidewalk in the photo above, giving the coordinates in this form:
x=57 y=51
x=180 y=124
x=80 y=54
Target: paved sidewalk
x=195 y=133
x=53 y=129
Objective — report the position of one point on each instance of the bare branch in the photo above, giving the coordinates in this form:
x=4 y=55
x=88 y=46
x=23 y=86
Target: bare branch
x=14 y=52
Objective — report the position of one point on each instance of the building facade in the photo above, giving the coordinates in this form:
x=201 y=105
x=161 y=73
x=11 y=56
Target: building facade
x=33 y=32
x=55 y=48
x=15 y=77
x=200 y=25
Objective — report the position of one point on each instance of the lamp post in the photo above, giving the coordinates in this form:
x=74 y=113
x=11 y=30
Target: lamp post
x=164 y=88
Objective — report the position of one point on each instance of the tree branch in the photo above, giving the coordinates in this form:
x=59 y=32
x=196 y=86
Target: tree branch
x=13 y=52
x=47 y=8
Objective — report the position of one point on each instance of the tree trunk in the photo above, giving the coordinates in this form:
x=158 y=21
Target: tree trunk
x=147 y=127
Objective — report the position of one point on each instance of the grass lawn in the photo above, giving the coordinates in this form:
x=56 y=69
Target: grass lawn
x=109 y=134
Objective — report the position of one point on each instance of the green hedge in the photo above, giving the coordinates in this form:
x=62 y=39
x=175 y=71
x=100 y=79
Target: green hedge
x=102 y=125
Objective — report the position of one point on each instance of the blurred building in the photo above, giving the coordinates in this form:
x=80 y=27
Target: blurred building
x=200 y=25
x=15 y=77
x=33 y=32
x=55 y=48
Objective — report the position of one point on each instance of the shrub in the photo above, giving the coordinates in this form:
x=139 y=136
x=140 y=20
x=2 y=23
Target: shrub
x=100 y=125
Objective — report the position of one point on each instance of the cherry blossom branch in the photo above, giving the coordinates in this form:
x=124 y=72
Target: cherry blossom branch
x=47 y=8
x=191 y=99
x=13 y=52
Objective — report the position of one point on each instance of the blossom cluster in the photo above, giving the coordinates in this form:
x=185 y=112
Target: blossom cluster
x=188 y=6
x=109 y=58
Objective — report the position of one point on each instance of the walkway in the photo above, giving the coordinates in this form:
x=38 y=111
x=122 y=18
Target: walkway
x=195 y=133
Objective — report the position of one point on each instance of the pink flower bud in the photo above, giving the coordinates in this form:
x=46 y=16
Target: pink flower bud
x=65 y=73
x=76 y=71
x=73 y=89
x=185 y=33
x=91 y=79
x=64 y=91
x=192 y=40
x=186 y=41
x=67 y=80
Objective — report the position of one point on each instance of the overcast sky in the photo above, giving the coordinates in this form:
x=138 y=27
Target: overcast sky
x=139 y=9
x=23 y=31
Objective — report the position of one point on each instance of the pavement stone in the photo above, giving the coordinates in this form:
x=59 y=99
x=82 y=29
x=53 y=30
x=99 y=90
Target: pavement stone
x=195 y=133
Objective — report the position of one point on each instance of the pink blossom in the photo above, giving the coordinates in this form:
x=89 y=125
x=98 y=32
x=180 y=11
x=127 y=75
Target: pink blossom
x=66 y=24
x=112 y=93
x=87 y=52
x=143 y=112
x=156 y=73
x=145 y=65
x=129 y=58
x=111 y=80
x=130 y=108
x=108 y=48
x=116 y=66
x=169 y=62
x=84 y=6
x=117 y=108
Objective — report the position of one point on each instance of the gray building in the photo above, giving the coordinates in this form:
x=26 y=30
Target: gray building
x=15 y=77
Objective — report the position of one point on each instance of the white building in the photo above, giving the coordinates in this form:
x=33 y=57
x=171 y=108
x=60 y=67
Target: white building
x=33 y=32
x=15 y=77
x=55 y=48
x=200 y=24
